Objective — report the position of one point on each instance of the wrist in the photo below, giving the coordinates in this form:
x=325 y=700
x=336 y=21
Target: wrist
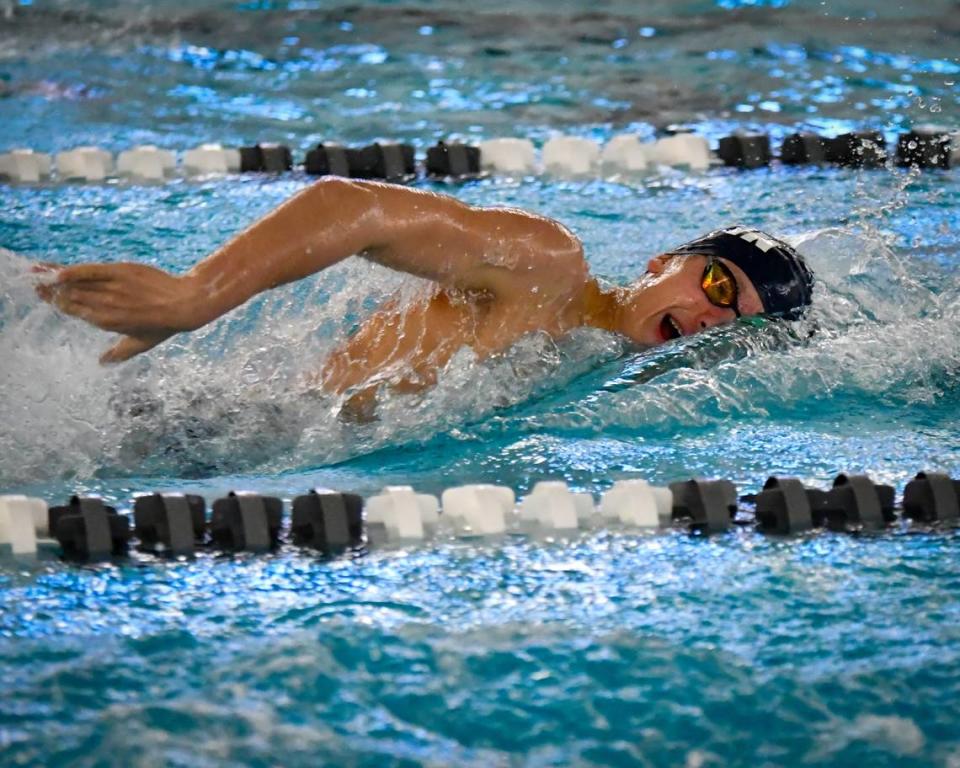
x=194 y=301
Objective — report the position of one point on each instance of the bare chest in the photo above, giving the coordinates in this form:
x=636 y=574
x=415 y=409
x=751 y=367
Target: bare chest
x=406 y=346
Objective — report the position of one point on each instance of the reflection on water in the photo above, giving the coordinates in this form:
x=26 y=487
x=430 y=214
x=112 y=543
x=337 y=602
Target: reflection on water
x=607 y=649
x=304 y=73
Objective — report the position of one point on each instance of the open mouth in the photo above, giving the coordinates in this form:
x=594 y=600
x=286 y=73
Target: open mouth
x=670 y=328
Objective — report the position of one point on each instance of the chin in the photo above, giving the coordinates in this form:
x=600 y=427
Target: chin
x=645 y=339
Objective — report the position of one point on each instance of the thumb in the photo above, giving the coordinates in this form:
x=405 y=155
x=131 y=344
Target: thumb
x=129 y=346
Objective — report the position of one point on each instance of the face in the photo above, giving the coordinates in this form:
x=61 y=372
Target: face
x=668 y=302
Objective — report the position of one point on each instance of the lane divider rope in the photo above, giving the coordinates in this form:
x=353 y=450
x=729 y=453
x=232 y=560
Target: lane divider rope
x=568 y=157
x=176 y=525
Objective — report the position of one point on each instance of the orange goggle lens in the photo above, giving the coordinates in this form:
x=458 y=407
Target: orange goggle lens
x=720 y=286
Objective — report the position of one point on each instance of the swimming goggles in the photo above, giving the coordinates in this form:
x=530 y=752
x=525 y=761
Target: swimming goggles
x=720 y=285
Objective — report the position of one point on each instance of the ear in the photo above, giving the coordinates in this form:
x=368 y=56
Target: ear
x=658 y=264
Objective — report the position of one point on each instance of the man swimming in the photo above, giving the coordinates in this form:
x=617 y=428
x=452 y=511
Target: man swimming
x=500 y=273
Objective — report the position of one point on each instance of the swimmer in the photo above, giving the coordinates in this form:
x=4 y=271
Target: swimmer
x=500 y=273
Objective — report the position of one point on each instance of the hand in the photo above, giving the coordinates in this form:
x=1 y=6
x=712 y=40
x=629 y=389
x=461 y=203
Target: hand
x=145 y=304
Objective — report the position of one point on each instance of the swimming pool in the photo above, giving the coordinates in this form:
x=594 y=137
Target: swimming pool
x=600 y=649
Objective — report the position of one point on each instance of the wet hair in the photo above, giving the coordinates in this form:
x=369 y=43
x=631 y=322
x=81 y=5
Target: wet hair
x=781 y=277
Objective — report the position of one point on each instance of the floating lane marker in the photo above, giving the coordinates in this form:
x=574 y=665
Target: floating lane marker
x=265 y=158
x=682 y=151
x=383 y=160
x=146 y=163
x=327 y=520
x=552 y=506
x=571 y=157
x=453 y=160
x=708 y=505
x=328 y=160
x=478 y=510
x=856 y=501
x=803 y=149
x=21 y=519
x=625 y=155
x=783 y=506
x=932 y=497
x=637 y=504
x=87 y=529
x=84 y=164
x=925 y=147
x=863 y=149
x=745 y=150
x=398 y=513
x=170 y=523
x=246 y=521
x=24 y=166
x=510 y=157
x=210 y=159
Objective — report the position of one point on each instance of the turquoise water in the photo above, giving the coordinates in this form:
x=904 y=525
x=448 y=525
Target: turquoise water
x=603 y=649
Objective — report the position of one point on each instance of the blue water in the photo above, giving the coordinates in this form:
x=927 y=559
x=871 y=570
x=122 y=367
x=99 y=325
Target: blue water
x=603 y=649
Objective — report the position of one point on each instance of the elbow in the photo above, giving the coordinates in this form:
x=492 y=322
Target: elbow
x=347 y=201
x=332 y=186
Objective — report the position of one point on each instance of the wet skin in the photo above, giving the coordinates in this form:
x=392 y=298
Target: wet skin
x=499 y=274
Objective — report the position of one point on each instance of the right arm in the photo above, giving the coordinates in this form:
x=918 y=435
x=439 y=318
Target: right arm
x=501 y=252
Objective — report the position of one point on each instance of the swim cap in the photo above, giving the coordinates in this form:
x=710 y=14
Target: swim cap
x=780 y=275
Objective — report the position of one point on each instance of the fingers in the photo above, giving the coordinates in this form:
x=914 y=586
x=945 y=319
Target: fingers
x=66 y=303
x=45 y=267
x=129 y=346
x=86 y=273
x=64 y=298
x=98 y=307
x=54 y=276
x=85 y=293
x=124 y=349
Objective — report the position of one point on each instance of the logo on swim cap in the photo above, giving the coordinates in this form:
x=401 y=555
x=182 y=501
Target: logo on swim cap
x=778 y=272
x=755 y=236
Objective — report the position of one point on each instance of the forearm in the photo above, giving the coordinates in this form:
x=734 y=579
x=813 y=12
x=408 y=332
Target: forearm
x=318 y=227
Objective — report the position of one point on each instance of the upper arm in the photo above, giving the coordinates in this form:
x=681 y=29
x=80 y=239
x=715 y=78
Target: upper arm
x=501 y=251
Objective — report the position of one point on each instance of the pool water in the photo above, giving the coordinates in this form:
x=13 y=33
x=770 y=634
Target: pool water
x=605 y=648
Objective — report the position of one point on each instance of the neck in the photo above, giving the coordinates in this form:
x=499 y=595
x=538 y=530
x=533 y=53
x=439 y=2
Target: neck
x=601 y=305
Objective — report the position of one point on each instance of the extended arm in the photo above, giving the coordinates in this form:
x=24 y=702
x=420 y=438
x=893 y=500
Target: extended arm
x=503 y=252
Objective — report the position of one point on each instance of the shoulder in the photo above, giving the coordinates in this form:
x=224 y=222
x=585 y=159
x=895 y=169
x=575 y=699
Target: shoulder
x=532 y=252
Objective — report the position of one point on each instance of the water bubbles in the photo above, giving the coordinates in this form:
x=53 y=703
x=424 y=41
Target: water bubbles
x=250 y=374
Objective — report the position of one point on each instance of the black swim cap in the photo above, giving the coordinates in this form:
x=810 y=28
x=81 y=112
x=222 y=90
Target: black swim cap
x=777 y=271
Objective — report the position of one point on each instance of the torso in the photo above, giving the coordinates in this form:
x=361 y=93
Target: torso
x=404 y=347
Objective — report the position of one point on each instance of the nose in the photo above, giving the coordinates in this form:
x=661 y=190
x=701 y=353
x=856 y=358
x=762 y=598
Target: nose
x=712 y=315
